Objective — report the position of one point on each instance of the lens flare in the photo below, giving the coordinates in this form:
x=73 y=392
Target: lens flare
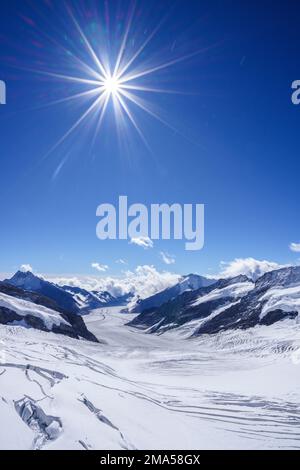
x=111 y=66
x=112 y=85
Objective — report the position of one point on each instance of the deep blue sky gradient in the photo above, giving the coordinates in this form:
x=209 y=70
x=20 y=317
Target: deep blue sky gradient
x=237 y=151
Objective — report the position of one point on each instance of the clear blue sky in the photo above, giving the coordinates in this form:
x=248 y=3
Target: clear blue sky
x=237 y=149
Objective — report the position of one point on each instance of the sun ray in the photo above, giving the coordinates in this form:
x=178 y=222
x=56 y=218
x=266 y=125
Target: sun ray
x=129 y=114
x=124 y=41
x=143 y=105
x=140 y=103
x=75 y=125
x=153 y=90
x=83 y=64
x=143 y=73
x=88 y=45
x=60 y=76
x=83 y=94
x=102 y=114
x=141 y=48
x=118 y=80
x=119 y=118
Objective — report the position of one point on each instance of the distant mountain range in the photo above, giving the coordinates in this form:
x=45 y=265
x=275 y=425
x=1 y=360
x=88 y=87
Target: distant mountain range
x=236 y=303
x=72 y=299
x=201 y=305
x=30 y=301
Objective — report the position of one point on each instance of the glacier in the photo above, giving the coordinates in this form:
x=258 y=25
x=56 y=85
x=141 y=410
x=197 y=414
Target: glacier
x=237 y=389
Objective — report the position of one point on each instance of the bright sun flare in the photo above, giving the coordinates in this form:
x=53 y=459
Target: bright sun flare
x=112 y=85
x=123 y=83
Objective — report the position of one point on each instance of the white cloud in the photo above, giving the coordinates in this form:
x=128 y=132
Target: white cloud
x=25 y=268
x=168 y=259
x=251 y=267
x=295 y=247
x=144 y=242
x=142 y=282
x=121 y=261
x=100 y=267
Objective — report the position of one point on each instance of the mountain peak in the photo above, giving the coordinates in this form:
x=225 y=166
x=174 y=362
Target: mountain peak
x=195 y=281
x=283 y=277
x=69 y=298
x=25 y=279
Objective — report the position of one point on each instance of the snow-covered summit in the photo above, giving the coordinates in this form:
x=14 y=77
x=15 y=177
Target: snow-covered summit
x=26 y=280
x=73 y=299
x=236 y=303
x=284 y=277
x=189 y=282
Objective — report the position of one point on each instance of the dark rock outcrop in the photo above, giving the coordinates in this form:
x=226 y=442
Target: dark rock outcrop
x=75 y=328
x=181 y=309
x=237 y=309
x=190 y=282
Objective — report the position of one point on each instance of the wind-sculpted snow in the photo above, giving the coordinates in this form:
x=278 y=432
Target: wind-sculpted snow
x=235 y=389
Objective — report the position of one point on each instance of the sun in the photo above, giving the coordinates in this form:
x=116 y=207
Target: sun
x=120 y=78
x=112 y=85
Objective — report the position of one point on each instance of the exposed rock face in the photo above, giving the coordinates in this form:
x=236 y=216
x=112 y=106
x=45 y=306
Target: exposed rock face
x=235 y=303
x=187 y=283
x=32 y=310
x=192 y=305
x=73 y=299
x=29 y=282
x=262 y=305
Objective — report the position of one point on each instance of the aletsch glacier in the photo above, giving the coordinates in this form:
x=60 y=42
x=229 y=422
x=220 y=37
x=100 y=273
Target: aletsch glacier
x=207 y=364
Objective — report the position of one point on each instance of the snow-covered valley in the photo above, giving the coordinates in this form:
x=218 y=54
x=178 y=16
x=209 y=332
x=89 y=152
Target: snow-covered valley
x=133 y=390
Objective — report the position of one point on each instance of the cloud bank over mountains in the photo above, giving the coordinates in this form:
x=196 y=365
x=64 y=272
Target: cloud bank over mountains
x=250 y=267
x=146 y=280
x=143 y=281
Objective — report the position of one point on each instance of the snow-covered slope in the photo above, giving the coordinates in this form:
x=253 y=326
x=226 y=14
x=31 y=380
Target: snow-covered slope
x=275 y=297
x=235 y=290
x=31 y=310
x=193 y=305
x=86 y=300
x=229 y=304
x=234 y=390
x=286 y=299
x=26 y=310
x=73 y=299
x=237 y=387
x=187 y=283
x=30 y=282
